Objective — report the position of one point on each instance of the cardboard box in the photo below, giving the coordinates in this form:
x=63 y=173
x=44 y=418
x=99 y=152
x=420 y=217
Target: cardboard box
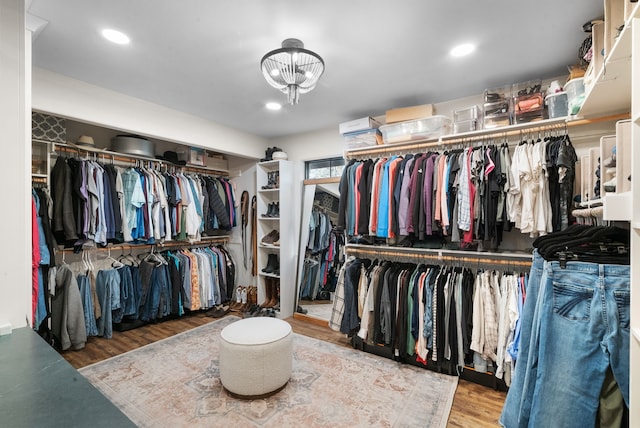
x=216 y=161
x=409 y=113
x=359 y=125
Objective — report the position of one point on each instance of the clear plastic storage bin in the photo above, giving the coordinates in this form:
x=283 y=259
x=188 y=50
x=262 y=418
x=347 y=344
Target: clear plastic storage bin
x=429 y=127
x=497 y=109
x=496 y=121
x=464 y=114
x=497 y=94
x=575 y=94
x=359 y=139
x=465 y=126
x=558 y=104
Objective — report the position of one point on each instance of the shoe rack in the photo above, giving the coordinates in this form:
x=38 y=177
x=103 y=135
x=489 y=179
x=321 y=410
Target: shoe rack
x=278 y=209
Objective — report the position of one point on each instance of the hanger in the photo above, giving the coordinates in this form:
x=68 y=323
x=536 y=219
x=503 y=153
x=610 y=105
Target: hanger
x=64 y=262
x=117 y=264
x=154 y=257
x=610 y=243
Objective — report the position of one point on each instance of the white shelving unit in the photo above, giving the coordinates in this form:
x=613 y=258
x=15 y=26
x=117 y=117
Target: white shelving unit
x=634 y=84
x=615 y=89
x=288 y=197
x=610 y=92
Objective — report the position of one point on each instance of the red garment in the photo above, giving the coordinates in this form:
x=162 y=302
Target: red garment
x=35 y=261
x=375 y=195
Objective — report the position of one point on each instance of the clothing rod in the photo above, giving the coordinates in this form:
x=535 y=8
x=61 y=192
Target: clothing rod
x=159 y=247
x=475 y=136
x=438 y=255
x=121 y=157
x=589 y=212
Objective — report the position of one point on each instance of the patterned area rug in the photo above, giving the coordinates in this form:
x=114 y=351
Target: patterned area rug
x=175 y=383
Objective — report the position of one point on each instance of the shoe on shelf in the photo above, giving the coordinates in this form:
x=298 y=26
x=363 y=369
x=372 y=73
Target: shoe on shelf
x=271 y=209
x=271 y=237
x=610 y=162
x=610 y=186
x=273 y=265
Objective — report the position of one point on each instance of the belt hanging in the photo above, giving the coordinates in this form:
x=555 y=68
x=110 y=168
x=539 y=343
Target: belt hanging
x=244 y=208
x=254 y=236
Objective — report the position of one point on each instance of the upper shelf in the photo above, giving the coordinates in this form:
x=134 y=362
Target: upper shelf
x=479 y=134
x=611 y=91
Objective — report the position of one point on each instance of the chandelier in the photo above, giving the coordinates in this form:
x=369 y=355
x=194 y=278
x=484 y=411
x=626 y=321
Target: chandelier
x=292 y=69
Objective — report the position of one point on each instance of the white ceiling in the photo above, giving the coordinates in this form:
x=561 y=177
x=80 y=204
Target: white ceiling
x=202 y=57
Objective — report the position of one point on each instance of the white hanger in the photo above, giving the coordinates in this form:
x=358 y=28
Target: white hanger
x=117 y=264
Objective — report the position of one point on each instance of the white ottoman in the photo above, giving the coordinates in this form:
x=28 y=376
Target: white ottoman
x=256 y=356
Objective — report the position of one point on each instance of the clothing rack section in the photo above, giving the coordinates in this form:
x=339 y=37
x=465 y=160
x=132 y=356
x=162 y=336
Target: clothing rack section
x=480 y=135
x=98 y=203
x=590 y=216
x=464 y=198
x=451 y=319
x=161 y=246
x=323 y=259
x=500 y=261
x=96 y=292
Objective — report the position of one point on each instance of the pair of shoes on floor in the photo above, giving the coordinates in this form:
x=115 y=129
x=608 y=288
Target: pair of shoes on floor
x=218 y=311
x=258 y=311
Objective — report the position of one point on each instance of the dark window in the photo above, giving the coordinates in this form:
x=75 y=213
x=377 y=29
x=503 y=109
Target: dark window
x=324 y=168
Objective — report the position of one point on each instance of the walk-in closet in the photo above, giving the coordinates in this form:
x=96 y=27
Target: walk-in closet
x=320 y=214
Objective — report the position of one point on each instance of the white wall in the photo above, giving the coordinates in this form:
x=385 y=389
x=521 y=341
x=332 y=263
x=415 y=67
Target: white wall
x=66 y=97
x=15 y=122
x=326 y=143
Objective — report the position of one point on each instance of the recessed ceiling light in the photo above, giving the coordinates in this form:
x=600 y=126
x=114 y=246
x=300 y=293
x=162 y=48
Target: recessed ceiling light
x=115 y=36
x=273 y=106
x=463 y=49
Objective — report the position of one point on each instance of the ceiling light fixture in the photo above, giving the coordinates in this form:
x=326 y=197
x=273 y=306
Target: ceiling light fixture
x=462 y=50
x=292 y=69
x=273 y=106
x=115 y=36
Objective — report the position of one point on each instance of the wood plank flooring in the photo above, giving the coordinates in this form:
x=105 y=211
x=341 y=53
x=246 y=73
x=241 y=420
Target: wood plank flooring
x=473 y=405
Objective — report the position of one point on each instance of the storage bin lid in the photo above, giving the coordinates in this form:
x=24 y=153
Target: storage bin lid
x=561 y=93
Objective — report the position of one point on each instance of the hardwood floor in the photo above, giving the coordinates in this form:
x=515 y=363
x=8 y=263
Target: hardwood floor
x=473 y=405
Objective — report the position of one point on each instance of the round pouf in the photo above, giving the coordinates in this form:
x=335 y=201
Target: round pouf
x=256 y=356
